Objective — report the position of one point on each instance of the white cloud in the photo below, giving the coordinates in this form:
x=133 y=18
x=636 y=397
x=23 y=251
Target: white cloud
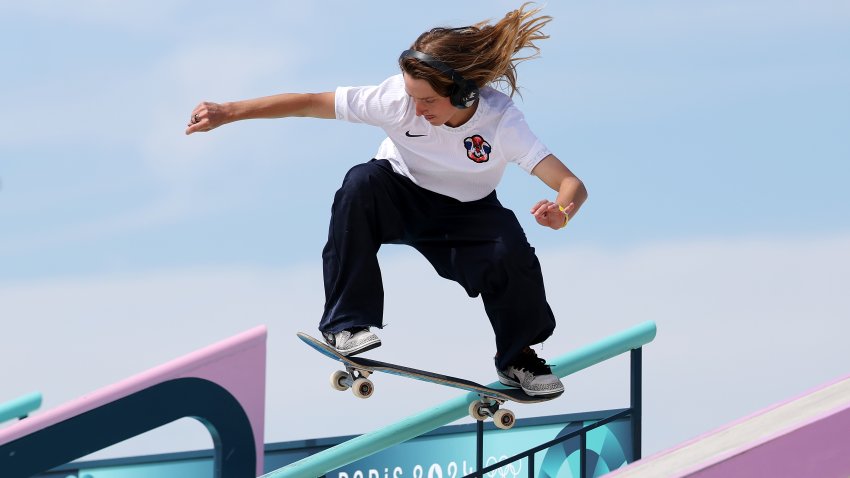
x=741 y=324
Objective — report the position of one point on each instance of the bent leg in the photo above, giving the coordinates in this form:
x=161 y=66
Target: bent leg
x=371 y=208
x=486 y=251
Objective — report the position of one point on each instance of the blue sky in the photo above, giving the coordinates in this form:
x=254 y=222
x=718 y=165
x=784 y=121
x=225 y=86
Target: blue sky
x=685 y=120
x=713 y=138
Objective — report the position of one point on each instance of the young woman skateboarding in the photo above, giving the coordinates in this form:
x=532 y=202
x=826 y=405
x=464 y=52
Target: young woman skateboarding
x=431 y=185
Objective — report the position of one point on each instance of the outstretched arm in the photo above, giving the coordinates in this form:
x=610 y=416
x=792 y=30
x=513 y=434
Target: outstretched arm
x=207 y=115
x=571 y=193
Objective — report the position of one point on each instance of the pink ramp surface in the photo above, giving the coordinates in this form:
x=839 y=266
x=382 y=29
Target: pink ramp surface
x=808 y=436
x=237 y=364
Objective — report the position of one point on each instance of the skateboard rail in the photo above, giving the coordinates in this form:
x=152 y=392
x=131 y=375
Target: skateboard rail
x=364 y=445
x=20 y=407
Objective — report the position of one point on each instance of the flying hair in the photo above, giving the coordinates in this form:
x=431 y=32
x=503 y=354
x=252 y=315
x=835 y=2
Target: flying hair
x=483 y=53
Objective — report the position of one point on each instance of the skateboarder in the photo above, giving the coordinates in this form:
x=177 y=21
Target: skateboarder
x=431 y=185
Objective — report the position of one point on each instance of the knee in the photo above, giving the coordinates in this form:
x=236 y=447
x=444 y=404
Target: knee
x=512 y=264
x=360 y=177
x=361 y=189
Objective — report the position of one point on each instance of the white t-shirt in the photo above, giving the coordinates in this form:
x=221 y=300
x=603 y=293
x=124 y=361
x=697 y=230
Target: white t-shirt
x=466 y=162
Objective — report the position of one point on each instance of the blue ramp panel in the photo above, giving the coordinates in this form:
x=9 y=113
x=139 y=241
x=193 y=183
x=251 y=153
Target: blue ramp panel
x=212 y=405
x=365 y=445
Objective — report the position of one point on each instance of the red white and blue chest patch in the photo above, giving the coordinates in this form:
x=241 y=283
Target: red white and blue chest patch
x=477 y=149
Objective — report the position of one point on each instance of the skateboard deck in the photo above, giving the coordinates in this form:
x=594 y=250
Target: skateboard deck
x=359 y=368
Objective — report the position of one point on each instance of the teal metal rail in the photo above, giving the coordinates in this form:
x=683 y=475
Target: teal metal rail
x=364 y=445
x=20 y=407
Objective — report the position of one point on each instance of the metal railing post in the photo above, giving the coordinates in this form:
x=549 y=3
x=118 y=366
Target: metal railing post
x=582 y=457
x=479 y=455
x=624 y=413
x=636 y=401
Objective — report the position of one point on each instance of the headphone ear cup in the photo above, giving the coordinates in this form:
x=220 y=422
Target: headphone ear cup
x=463 y=92
x=464 y=96
x=454 y=95
x=472 y=94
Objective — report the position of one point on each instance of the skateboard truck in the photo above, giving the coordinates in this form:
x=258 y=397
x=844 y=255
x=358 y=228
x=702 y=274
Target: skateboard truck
x=489 y=407
x=355 y=379
x=485 y=407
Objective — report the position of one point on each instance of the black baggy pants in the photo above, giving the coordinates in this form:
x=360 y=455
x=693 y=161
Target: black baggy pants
x=478 y=244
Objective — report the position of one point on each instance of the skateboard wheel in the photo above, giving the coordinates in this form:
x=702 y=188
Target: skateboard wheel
x=476 y=411
x=504 y=419
x=339 y=379
x=362 y=388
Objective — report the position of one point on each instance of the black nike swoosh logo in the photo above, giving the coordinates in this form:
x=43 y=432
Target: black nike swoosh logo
x=407 y=133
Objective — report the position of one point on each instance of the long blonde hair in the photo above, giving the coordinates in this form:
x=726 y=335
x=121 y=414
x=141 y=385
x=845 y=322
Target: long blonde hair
x=482 y=53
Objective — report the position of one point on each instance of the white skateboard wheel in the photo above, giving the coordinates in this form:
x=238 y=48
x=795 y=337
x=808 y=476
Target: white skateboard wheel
x=475 y=411
x=362 y=388
x=338 y=380
x=504 y=419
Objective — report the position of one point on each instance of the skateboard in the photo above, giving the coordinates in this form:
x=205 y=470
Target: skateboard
x=358 y=370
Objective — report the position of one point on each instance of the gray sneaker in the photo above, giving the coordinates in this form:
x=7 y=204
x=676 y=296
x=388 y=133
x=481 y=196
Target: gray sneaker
x=352 y=341
x=532 y=375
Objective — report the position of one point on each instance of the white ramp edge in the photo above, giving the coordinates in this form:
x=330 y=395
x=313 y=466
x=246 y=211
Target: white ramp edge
x=808 y=436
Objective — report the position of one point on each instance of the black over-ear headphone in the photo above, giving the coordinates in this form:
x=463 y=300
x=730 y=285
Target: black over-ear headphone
x=464 y=92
